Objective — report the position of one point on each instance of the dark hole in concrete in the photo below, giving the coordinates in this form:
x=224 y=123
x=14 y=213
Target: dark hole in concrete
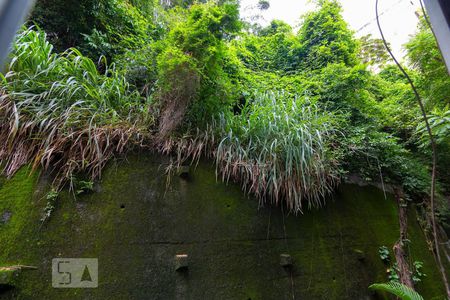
x=184 y=172
x=185 y=176
x=286 y=261
x=5 y=288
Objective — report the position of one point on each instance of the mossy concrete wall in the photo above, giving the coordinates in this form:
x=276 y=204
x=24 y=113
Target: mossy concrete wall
x=135 y=226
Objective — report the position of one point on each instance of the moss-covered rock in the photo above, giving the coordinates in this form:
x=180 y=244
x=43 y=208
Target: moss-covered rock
x=136 y=226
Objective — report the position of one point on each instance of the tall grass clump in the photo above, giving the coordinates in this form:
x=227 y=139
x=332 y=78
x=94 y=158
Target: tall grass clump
x=58 y=112
x=279 y=147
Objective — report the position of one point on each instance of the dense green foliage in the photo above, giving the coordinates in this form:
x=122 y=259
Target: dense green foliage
x=434 y=83
x=288 y=114
x=65 y=21
x=425 y=57
x=105 y=27
x=58 y=111
x=191 y=65
x=325 y=37
x=373 y=52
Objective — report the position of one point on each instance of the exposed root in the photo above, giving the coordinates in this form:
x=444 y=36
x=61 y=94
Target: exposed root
x=400 y=253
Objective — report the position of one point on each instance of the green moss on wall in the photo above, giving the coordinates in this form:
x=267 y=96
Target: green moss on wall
x=135 y=226
x=17 y=232
x=7 y=277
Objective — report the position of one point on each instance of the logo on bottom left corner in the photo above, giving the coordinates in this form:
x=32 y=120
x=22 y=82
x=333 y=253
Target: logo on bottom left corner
x=75 y=272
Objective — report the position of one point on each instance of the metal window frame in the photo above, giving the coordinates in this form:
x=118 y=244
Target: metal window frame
x=12 y=15
x=439 y=13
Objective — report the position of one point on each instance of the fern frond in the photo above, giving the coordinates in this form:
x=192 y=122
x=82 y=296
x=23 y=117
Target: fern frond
x=400 y=290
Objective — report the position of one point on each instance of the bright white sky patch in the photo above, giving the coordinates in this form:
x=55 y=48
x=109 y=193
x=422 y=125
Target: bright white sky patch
x=398 y=18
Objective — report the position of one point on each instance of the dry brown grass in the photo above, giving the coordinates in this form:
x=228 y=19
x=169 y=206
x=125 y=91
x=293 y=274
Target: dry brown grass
x=63 y=151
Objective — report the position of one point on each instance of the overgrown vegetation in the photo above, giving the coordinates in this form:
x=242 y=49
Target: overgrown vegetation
x=60 y=113
x=393 y=270
x=287 y=114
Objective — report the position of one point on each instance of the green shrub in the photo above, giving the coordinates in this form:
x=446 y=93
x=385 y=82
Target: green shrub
x=190 y=68
x=59 y=112
x=280 y=147
x=326 y=38
x=105 y=27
